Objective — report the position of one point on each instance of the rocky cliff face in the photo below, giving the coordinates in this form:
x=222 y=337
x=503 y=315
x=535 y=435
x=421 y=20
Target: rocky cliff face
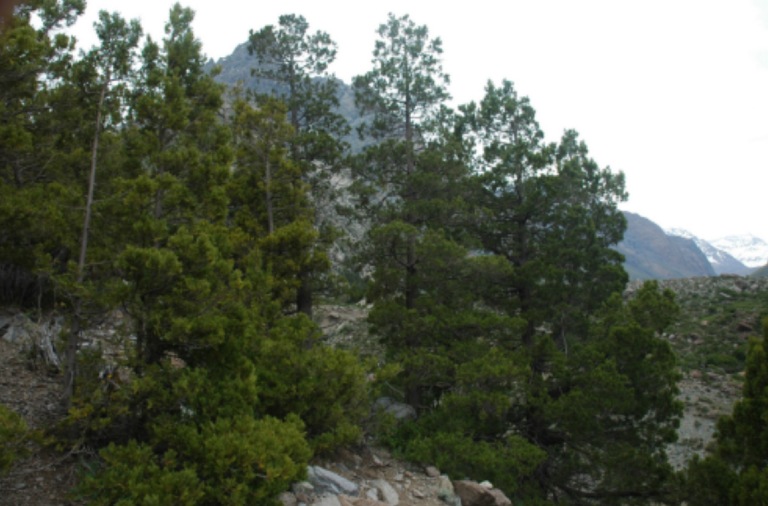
x=652 y=254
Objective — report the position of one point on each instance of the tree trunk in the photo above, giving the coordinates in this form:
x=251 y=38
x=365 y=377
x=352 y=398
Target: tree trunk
x=304 y=299
x=73 y=339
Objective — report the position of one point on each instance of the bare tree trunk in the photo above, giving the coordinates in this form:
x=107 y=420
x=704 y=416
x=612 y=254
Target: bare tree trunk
x=73 y=339
x=304 y=299
x=268 y=194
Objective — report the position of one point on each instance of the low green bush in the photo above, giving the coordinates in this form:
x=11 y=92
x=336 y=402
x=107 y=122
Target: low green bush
x=14 y=435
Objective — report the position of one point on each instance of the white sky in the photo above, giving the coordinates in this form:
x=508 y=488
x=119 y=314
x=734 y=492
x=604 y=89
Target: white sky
x=674 y=93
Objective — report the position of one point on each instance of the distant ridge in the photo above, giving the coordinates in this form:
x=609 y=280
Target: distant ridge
x=721 y=261
x=650 y=253
x=762 y=272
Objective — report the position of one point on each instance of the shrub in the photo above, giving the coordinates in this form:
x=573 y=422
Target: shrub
x=325 y=387
x=14 y=435
x=134 y=474
x=508 y=463
x=728 y=363
x=231 y=461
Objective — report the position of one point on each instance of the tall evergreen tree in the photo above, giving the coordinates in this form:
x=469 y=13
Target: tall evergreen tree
x=545 y=379
x=178 y=156
x=296 y=63
x=413 y=181
x=112 y=61
x=403 y=93
x=270 y=200
x=106 y=69
x=226 y=397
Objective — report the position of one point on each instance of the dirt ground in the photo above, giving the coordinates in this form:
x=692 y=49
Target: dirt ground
x=45 y=476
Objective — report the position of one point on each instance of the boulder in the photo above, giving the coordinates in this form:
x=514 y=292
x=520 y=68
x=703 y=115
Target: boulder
x=399 y=410
x=324 y=480
x=345 y=500
x=288 y=499
x=472 y=493
x=387 y=492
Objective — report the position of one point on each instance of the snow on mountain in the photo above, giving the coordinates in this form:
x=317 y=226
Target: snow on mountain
x=723 y=261
x=750 y=250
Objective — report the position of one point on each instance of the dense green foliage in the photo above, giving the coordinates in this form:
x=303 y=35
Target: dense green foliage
x=38 y=182
x=495 y=289
x=128 y=189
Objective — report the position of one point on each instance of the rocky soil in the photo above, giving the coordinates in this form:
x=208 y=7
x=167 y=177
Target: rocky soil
x=26 y=387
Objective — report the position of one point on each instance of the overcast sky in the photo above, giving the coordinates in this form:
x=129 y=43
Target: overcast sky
x=674 y=93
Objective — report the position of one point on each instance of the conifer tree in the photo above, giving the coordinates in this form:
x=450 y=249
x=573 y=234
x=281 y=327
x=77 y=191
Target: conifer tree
x=295 y=62
x=534 y=370
x=178 y=154
x=102 y=72
x=227 y=396
x=403 y=93
x=413 y=181
x=550 y=210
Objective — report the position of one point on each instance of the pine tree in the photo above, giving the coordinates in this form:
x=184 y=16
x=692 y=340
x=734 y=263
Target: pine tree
x=533 y=370
x=226 y=396
x=550 y=211
x=413 y=181
x=106 y=69
x=296 y=63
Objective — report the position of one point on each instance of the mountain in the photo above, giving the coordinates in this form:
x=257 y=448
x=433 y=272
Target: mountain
x=762 y=272
x=750 y=250
x=721 y=261
x=236 y=70
x=652 y=254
